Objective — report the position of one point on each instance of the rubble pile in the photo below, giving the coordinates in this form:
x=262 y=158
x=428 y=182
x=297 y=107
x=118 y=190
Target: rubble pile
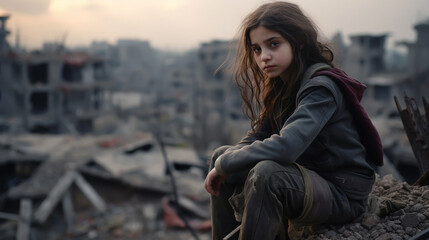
x=396 y=211
x=128 y=221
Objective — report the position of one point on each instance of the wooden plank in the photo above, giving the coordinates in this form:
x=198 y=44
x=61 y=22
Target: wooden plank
x=423 y=180
x=421 y=128
x=10 y=216
x=416 y=128
x=68 y=209
x=90 y=193
x=54 y=196
x=227 y=237
x=25 y=211
x=426 y=108
x=409 y=130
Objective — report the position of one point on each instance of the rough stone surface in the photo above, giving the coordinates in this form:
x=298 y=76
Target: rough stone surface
x=396 y=211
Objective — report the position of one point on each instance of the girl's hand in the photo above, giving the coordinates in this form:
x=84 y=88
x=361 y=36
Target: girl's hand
x=213 y=182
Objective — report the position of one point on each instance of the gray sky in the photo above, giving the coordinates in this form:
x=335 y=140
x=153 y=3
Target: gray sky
x=184 y=24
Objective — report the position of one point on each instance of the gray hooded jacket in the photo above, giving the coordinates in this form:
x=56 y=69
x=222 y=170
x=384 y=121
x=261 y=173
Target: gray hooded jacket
x=320 y=135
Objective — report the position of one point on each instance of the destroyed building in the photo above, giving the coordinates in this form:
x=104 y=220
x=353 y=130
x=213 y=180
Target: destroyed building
x=365 y=55
x=418 y=61
x=4 y=46
x=218 y=113
x=137 y=65
x=52 y=91
x=177 y=102
x=365 y=60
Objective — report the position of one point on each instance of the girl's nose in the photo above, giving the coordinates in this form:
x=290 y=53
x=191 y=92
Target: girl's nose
x=265 y=56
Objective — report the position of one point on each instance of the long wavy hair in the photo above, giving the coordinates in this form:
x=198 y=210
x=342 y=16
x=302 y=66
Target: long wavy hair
x=273 y=100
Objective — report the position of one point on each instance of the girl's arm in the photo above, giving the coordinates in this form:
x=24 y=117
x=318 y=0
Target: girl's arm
x=264 y=132
x=315 y=108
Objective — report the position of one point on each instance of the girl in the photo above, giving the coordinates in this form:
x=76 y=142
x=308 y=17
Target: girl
x=310 y=155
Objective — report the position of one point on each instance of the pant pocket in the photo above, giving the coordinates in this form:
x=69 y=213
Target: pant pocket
x=237 y=203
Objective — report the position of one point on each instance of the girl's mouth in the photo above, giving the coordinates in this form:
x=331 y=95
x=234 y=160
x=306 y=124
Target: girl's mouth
x=269 y=68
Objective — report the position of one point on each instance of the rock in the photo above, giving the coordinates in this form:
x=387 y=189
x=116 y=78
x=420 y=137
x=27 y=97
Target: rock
x=370 y=220
x=421 y=217
x=425 y=195
x=341 y=229
x=410 y=220
x=385 y=236
x=417 y=207
x=400 y=212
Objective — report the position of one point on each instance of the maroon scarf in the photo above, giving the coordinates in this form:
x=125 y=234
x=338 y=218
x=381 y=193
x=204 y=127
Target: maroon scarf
x=353 y=91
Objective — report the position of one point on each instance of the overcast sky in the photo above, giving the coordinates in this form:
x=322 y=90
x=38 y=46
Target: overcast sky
x=184 y=24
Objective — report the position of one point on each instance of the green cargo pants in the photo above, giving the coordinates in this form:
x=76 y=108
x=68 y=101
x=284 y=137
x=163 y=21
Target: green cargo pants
x=271 y=197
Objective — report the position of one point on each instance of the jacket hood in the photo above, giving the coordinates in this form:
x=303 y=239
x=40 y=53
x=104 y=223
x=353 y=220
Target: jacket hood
x=352 y=86
x=353 y=91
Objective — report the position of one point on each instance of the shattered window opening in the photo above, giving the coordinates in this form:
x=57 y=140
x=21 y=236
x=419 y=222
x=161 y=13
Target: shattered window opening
x=39 y=102
x=377 y=64
x=376 y=43
x=44 y=129
x=38 y=73
x=72 y=73
x=97 y=98
x=84 y=126
x=99 y=70
x=17 y=70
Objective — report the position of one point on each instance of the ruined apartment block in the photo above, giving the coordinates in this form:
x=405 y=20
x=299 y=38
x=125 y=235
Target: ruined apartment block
x=414 y=81
x=365 y=55
x=218 y=115
x=418 y=60
x=53 y=91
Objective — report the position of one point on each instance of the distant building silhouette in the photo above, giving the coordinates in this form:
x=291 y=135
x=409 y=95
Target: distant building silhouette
x=4 y=46
x=365 y=55
x=365 y=59
x=51 y=91
x=218 y=115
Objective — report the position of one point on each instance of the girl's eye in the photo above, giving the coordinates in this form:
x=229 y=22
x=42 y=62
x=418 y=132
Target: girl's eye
x=274 y=44
x=256 y=49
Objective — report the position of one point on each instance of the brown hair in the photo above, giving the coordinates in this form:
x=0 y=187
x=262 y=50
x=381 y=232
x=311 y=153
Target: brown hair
x=274 y=99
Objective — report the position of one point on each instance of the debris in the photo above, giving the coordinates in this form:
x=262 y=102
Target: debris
x=24 y=224
x=68 y=209
x=411 y=219
x=417 y=128
x=170 y=216
x=90 y=193
x=194 y=208
x=127 y=176
x=23 y=220
x=59 y=191
x=172 y=219
x=54 y=197
x=232 y=233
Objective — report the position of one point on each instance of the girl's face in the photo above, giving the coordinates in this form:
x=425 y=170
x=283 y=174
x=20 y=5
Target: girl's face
x=271 y=51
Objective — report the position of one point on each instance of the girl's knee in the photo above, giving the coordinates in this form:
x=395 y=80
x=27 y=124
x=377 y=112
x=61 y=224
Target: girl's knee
x=261 y=172
x=216 y=153
x=273 y=175
x=266 y=167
